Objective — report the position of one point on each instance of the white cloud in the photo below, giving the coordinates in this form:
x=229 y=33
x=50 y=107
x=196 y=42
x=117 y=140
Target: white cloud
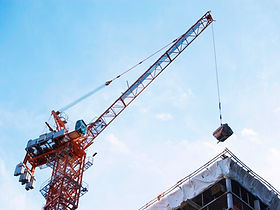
x=15 y=118
x=251 y=135
x=187 y=93
x=275 y=153
x=269 y=169
x=144 y=110
x=248 y=132
x=116 y=145
x=277 y=110
x=164 y=116
x=182 y=97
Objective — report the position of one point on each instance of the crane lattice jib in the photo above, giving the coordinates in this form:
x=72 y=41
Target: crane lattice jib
x=95 y=128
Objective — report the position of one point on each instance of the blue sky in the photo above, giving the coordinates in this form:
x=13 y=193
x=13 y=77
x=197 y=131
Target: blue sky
x=53 y=52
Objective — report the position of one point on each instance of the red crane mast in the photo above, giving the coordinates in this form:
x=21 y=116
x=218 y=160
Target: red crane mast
x=64 y=151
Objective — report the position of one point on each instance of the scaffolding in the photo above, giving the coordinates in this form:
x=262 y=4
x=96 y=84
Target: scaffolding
x=235 y=187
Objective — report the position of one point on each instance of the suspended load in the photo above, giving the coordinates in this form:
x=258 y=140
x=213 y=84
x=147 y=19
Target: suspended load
x=222 y=133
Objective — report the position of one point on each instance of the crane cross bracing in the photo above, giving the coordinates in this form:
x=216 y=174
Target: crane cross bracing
x=95 y=128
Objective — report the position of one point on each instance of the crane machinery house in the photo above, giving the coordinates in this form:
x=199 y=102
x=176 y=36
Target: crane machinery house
x=50 y=141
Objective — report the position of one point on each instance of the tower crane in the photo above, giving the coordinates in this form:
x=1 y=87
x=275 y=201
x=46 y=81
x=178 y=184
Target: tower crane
x=65 y=151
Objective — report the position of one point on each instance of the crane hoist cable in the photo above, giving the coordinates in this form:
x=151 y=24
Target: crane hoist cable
x=217 y=75
x=224 y=131
x=107 y=83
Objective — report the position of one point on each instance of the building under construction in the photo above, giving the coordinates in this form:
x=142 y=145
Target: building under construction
x=221 y=184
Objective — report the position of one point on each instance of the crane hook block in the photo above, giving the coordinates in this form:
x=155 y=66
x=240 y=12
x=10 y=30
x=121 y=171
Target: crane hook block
x=222 y=133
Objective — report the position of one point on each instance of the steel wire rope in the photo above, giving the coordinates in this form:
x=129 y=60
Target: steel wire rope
x=217 y=75
x=63 y=109
x=143 y=60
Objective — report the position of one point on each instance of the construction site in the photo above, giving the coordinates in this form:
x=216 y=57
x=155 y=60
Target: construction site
x=125 y=124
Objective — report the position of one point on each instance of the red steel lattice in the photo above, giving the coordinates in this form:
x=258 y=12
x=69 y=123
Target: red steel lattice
x=66 y=153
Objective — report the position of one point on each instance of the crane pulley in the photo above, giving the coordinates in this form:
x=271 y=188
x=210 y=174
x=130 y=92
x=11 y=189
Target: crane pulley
x=65 y=151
